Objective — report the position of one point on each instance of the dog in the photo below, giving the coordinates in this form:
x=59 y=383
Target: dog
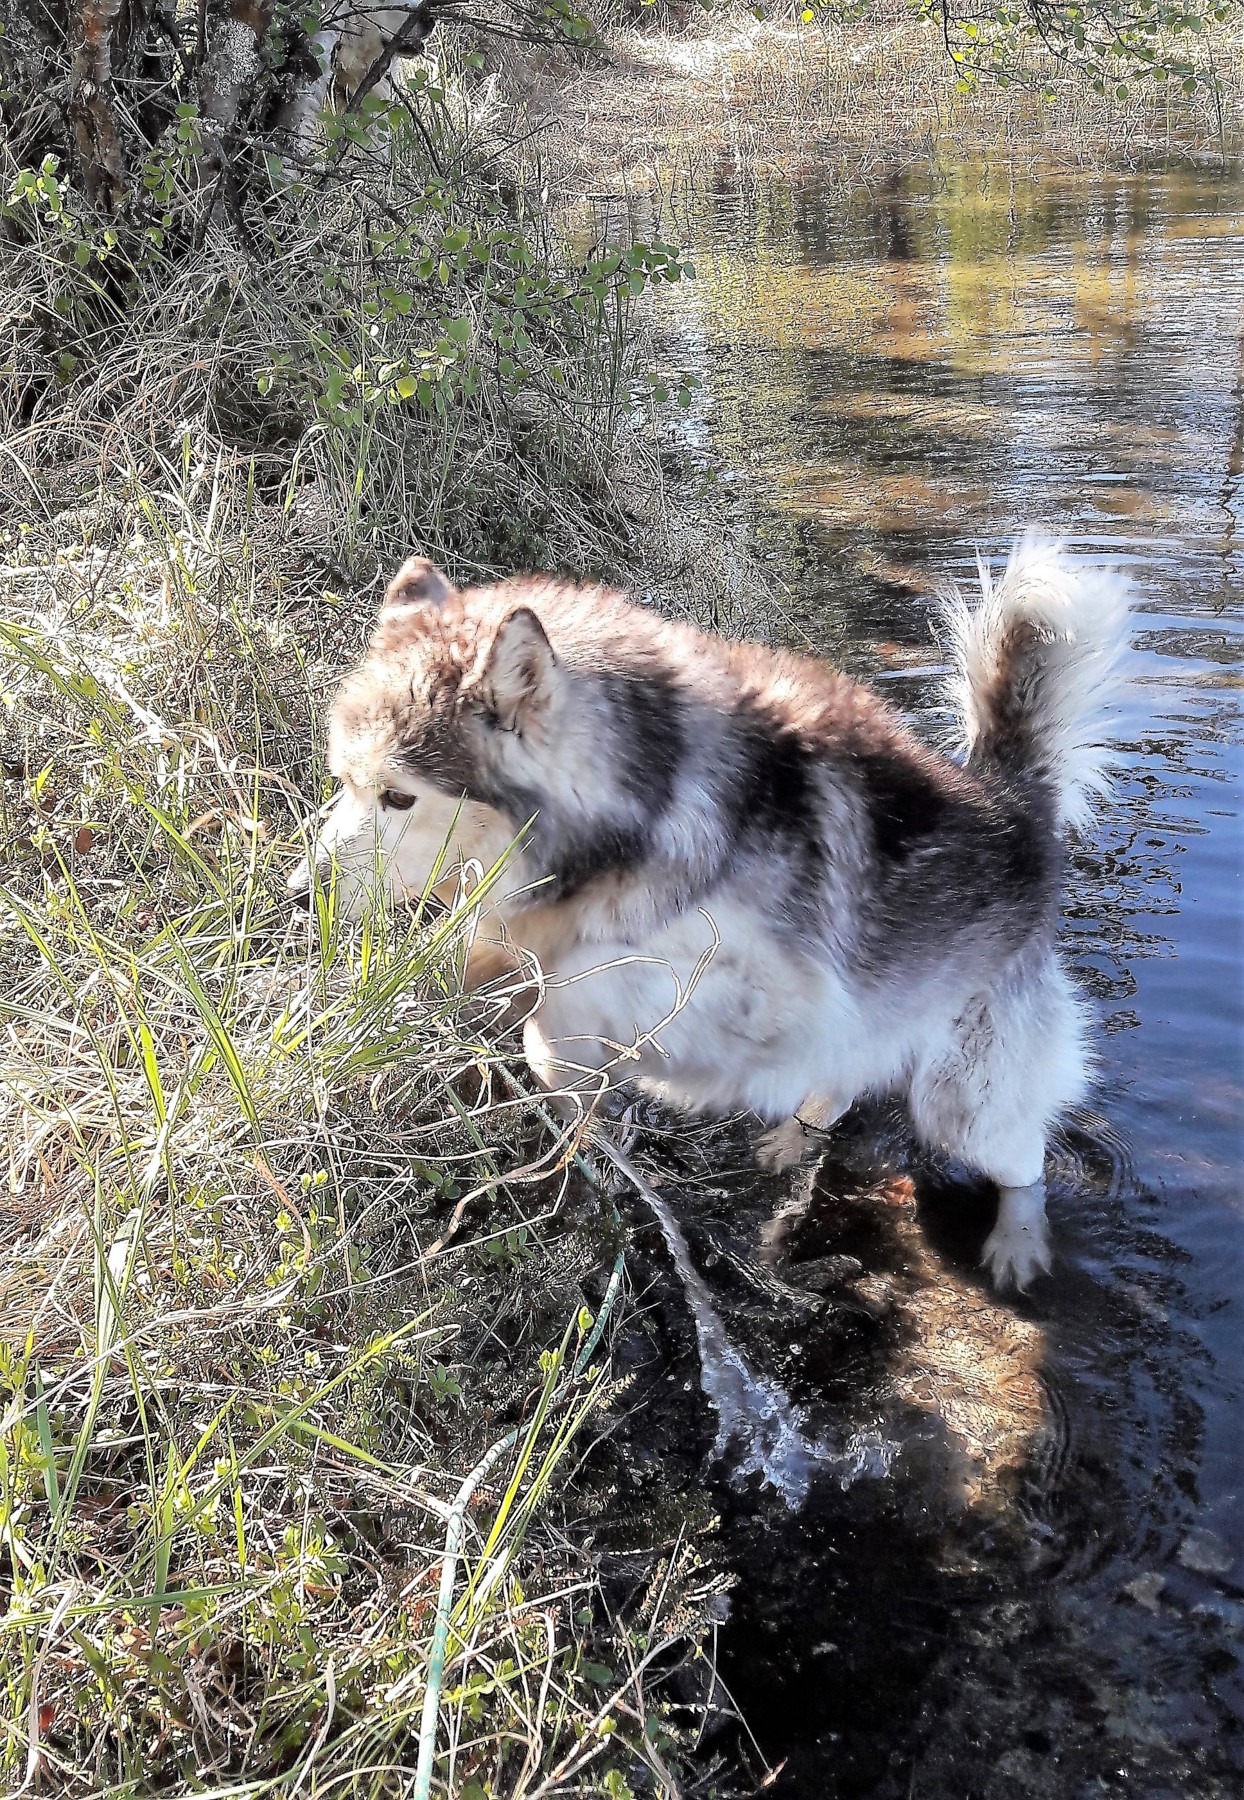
x=747 y=881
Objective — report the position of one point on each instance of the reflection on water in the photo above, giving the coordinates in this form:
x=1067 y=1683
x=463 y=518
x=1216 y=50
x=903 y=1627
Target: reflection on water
x=1045 y=1594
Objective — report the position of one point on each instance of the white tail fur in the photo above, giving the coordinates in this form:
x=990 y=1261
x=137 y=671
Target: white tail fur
x=1036 y=663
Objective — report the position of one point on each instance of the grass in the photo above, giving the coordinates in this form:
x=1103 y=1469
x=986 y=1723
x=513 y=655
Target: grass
x=305 y=1306
x=403 y=333
x=288 y=1247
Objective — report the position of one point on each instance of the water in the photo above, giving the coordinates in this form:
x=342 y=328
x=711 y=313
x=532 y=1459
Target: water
x=759 y=1432
x=1039 y=1588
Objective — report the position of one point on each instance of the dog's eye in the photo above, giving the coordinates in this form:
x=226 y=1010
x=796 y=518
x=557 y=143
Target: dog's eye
x=397 y=801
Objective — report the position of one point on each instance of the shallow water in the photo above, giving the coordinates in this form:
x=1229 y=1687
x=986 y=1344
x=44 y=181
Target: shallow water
x=1037 y=1583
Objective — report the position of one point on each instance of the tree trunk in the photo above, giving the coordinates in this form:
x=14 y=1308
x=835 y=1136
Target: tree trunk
x=101 y=156
x=95 y=82
x=235 y=34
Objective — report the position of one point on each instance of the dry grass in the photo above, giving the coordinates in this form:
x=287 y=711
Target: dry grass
x=286 y=1248
x=747 y=98
x=406 y=335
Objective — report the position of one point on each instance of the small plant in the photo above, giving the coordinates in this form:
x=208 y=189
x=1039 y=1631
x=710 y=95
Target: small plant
x=510 y=1250
x=443 y=1385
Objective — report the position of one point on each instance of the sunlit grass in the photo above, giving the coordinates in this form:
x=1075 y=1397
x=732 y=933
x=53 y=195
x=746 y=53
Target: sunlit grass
x=284 y=1257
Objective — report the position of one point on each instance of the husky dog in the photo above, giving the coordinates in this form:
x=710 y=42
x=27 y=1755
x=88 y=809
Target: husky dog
x=748 y=884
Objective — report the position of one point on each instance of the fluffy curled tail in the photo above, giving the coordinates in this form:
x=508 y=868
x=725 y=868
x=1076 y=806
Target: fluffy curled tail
x=1036 y=663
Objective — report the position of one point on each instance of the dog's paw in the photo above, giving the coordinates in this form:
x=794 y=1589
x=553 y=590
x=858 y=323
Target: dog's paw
x=787 y=1145
x=1016 y=1254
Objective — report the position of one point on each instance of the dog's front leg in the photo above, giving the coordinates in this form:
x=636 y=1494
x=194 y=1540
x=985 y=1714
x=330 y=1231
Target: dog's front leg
x=1018 y=1247
x=799 y=1137
x=617 y=1012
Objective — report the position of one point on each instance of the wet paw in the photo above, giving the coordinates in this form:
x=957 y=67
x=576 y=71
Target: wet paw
x=1016 y=1254
x=787 y=1145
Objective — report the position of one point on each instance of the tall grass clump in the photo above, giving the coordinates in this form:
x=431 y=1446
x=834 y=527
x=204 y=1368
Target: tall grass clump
x=289 y=1255
x=391 y=320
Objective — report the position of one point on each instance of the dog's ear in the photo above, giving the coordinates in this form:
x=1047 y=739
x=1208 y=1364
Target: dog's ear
x=417 y=583
x=517 y=679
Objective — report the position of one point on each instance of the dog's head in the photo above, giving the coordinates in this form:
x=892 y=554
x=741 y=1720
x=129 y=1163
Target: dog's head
x=436 y=738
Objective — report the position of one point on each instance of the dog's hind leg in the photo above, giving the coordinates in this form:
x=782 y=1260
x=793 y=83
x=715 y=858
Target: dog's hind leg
x=1018 y=1247
x=1015 y=1058
x=797 y=1138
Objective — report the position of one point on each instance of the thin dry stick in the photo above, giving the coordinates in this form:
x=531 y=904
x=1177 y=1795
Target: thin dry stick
x=34 y=1752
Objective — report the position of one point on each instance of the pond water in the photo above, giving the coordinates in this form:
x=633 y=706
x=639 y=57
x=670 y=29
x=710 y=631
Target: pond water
x=1033 y=1583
